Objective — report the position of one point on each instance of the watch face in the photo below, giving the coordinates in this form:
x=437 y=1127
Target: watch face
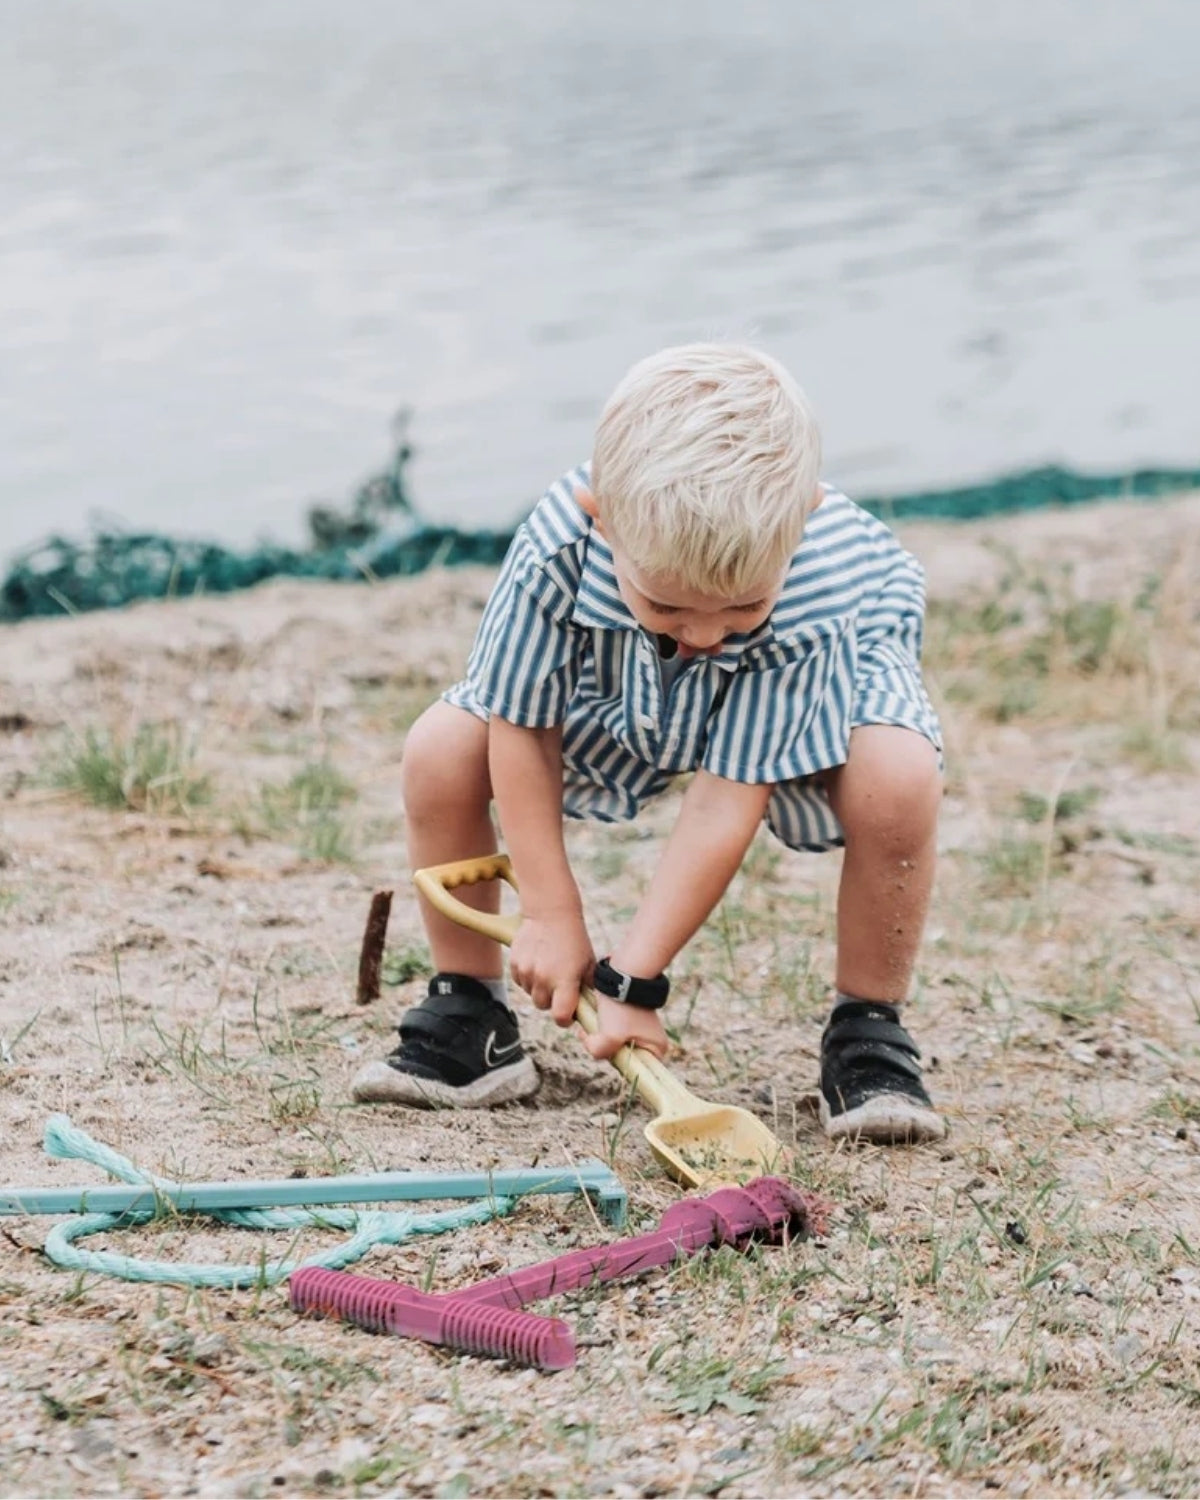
x=608 y=981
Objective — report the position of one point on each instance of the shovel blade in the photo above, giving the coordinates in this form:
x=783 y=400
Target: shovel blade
x=719 y=1144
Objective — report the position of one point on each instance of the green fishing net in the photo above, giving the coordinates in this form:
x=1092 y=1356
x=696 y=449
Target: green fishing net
x=379 y=534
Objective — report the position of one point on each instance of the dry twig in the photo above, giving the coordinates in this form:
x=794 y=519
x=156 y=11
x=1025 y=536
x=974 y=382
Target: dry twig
x=370 y=959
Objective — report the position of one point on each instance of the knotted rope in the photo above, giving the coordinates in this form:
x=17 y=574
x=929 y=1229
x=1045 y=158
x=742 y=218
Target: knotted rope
x=371 y=1227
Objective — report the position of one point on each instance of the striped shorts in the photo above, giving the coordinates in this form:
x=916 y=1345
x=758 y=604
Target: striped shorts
x=612 y=784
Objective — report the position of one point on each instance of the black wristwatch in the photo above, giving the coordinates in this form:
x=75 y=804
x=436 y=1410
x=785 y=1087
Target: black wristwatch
x=646 y=994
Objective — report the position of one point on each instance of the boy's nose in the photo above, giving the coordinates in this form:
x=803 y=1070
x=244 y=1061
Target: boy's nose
x=702 y=637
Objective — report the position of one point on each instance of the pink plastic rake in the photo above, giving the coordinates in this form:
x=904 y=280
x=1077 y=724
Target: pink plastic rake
x=483 y=1319
x=389 y=1307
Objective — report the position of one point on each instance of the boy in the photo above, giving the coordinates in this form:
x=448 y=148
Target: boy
x=696 y=601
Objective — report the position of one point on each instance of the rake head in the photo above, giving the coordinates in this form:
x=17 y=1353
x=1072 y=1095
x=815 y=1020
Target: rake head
x=471 y=1328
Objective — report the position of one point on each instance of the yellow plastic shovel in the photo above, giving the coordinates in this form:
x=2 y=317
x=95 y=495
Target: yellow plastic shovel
x=700 y=1143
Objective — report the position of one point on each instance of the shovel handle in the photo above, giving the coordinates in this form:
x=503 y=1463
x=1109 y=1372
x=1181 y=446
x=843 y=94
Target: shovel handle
x=437 y=881
x=659 y=1087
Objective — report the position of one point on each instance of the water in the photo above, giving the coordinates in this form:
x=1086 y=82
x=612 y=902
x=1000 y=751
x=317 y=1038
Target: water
x=235 y=239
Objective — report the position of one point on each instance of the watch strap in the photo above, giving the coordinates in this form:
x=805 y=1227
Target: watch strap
x=645 y=994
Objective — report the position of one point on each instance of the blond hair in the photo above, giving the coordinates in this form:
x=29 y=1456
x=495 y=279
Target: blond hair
x=706 y=466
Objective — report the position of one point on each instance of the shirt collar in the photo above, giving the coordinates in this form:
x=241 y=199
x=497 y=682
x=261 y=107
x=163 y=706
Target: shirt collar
x=599 y=606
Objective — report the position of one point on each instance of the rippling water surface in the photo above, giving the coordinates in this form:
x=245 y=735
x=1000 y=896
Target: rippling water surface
x=235 y=238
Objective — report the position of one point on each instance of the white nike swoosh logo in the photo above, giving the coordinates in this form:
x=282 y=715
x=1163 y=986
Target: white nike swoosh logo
x=492 y=1054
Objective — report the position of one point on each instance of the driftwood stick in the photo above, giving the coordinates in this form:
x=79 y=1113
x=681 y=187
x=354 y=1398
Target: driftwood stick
x=370 y=959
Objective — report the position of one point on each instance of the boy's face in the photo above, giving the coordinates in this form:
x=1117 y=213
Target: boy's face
x=698 y=622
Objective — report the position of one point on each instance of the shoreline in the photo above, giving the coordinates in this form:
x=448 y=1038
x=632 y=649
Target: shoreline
x=379 y=534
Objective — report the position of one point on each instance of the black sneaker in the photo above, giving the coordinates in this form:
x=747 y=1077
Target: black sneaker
x=459 y=1049
x=871 y=1085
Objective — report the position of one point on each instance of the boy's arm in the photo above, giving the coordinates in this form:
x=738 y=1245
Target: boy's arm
x=551 y=953
x=716 y=823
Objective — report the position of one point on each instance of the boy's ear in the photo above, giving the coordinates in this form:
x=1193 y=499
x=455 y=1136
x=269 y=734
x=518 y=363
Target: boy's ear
x=587 y=503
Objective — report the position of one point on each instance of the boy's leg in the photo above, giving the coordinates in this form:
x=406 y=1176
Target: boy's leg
x=461 y=1046
x=447 y=815
x=886 y=798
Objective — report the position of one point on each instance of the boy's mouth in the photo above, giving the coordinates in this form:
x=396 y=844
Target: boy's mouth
x=688 y=652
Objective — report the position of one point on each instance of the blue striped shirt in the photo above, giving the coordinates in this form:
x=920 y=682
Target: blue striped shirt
x=558 y=646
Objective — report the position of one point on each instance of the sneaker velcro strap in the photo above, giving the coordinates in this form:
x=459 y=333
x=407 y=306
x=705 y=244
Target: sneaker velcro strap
x=440 y=1017
x=867 y=1029
x=876 y=1052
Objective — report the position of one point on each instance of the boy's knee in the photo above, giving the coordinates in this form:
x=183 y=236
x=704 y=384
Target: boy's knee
x=893 y=792
x=912 y=779
x=445 y=759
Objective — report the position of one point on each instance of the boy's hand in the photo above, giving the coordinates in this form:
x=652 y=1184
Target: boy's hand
x=550 y=959
x=625 y=1023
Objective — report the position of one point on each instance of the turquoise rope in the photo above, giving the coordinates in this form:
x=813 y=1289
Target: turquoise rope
x=370 y=1228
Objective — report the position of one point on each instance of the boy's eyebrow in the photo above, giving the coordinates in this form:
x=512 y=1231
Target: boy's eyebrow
x=676 y=609
x=651 y=600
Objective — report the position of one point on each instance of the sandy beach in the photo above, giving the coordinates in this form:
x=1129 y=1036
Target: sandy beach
x=1013 y=1311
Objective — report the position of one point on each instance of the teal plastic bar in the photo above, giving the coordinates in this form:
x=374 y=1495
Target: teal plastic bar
x=595 y=1179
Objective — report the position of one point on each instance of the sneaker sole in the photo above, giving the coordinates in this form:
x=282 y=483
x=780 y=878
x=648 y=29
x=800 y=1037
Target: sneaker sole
x=379 y=1083
x=888 y=1119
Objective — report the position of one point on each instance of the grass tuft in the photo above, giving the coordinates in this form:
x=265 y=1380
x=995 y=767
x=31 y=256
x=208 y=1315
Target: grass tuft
x=311 y=809
x=150 y=769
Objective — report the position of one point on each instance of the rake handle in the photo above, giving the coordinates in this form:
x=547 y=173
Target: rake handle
x=767 y=1207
